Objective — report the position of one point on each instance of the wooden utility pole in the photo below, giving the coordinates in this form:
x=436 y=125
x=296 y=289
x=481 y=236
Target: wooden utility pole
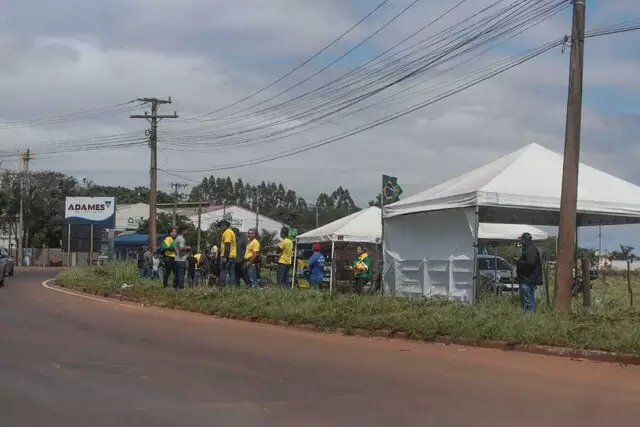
x=199 y=224
x=25 y=157
x=569 y=197
x=257 y=210
x=153 y=119
x=175 y=186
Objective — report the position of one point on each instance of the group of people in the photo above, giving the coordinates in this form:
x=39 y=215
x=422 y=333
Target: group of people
x=234 y=262
x=238 y=259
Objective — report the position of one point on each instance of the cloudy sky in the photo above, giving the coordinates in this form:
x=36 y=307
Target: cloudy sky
x=76 y=55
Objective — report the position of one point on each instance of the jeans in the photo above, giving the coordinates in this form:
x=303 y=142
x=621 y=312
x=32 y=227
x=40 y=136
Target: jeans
x=167 y=270
x=251 y=275
x=282 y=272
x=146 y=272
x=179 y=269
x=315 y=282
x=527 y=296
x=191 y=278
x=227 y=272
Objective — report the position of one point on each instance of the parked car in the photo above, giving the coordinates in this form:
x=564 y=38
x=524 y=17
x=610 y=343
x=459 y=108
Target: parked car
x=500 y=279
x=3 y=270
x=9 y=267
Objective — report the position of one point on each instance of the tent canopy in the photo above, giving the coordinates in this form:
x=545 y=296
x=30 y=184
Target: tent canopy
x=509 y=232
x=135 y=240
x=524 y=188
x=363 y=226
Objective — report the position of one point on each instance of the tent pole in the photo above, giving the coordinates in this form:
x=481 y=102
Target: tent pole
x=295 y=264
x=476 y=230
x=333 y=250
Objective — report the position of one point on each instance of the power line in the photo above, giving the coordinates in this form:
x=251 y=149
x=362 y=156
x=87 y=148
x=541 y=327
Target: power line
x=311 y=58
x=516 y=62
x=80 y=115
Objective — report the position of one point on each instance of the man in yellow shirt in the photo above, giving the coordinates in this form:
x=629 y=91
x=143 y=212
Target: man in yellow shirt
x=228 y=255
x=168 y=256
x=285 y=252
x=251 y=259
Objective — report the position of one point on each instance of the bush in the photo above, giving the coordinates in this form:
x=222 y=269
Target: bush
x=610 y=325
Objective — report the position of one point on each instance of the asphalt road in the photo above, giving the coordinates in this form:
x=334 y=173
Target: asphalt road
x=71 y=361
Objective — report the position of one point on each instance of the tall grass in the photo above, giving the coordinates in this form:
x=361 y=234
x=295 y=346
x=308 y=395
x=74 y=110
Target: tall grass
x=610 y=326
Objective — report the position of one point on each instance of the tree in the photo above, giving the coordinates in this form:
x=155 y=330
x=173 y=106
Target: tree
x=377 y=202
x=267 y=239
x=164 y=223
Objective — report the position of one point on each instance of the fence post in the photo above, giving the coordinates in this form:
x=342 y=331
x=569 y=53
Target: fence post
x=586 y=282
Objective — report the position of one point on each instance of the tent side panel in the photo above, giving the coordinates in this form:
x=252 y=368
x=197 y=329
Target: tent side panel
x=430 y=253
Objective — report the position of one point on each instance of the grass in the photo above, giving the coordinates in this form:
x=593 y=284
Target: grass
x=610 y=325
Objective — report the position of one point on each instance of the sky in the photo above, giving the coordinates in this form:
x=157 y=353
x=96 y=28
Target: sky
x=75 y=55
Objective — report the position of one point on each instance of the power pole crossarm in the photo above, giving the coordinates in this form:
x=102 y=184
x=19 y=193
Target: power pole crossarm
x=153 y=119
x=569 y=197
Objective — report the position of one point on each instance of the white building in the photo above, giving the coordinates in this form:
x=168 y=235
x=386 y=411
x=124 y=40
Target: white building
x=129 y=217
x=241 y=218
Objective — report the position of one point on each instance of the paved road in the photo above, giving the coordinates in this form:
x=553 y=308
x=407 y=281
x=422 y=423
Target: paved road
x=69 y=361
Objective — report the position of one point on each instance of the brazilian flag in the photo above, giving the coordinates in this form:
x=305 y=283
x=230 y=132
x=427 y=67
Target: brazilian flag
x=391 y=191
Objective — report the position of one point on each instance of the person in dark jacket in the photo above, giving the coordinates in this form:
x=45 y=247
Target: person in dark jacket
x=529 y=272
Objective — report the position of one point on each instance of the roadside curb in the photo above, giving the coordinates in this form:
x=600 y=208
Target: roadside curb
x=572 y=353
x=38 y=268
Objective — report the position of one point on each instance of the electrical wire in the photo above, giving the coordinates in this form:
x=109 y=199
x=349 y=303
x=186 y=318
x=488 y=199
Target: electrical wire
x=308 y=60
x=260 y=160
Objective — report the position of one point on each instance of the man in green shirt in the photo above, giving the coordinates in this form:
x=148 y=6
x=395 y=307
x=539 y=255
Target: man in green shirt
x=361 y=266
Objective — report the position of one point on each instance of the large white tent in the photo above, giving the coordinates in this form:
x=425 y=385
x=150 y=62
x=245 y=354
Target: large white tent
x=431 y=238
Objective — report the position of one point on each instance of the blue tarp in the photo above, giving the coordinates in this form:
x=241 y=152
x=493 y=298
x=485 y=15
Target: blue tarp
x=135 y=240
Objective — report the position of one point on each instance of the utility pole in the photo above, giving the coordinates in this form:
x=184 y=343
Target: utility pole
x=175 y=186
x=317 y=217
x=25 y=157
x=199 y=224
x=154 y=118
x=569 y=197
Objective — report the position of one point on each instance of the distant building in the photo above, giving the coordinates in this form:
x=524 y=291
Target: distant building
x=129 y=217
x=241 y=218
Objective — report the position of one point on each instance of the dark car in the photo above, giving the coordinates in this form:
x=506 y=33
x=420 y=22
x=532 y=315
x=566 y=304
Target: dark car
x=9 y=267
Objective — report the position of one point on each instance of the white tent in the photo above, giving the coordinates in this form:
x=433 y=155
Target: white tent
x=509 y=232
x=242 y=218
x=431 y=237
x=364 y=226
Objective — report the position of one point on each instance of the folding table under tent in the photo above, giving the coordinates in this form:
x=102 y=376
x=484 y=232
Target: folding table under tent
x=430 y=241
x=364 y=226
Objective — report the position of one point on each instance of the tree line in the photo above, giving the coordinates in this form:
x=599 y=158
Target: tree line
x=44 y=195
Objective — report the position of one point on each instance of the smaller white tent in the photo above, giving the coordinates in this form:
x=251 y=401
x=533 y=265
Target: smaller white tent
x=363 y=226
x=511 y=232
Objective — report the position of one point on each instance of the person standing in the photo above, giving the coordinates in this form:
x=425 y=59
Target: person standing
x=147 y=263
x=361 y=267
x=180 y=262
x=285 y=252
x=316 y=267
x=251 y=259
x=155 y=270
x=228 y=255
x=241 y=248
x=528 y=272
x=168 y=251
x=192 y=265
